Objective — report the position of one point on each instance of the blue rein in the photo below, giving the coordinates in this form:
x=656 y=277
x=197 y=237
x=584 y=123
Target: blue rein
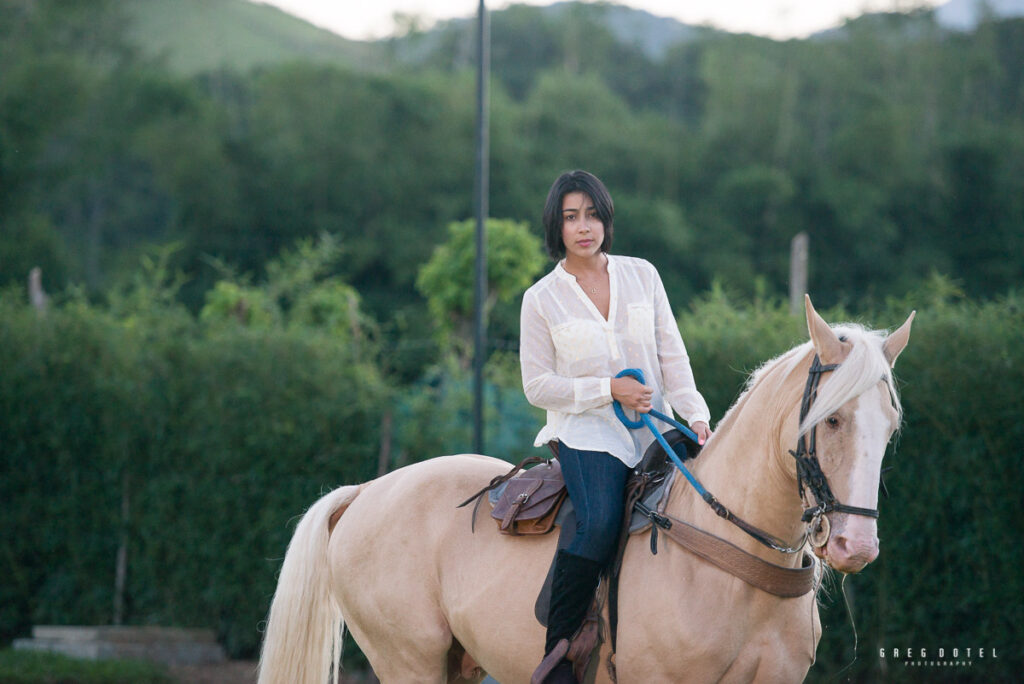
x=645 y=419
x=719 y=509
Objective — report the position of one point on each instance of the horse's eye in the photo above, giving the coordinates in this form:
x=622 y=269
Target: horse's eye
x=833 y=421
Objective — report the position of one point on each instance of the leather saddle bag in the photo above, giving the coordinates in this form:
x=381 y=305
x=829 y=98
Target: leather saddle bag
x=529 y=502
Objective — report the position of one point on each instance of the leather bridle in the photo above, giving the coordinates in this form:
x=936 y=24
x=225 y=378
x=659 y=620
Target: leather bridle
x=809 y=475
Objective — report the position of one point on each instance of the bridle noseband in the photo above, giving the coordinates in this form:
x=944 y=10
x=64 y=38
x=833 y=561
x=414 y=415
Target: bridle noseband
x=809 y=475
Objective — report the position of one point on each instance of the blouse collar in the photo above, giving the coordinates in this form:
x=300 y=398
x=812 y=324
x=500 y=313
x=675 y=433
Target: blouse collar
x=565 y=275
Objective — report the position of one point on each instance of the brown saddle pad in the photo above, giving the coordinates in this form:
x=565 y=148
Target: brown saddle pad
x=529 y=502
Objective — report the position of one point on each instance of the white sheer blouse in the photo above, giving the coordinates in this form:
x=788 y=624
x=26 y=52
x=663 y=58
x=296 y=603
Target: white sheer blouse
x=569 y=353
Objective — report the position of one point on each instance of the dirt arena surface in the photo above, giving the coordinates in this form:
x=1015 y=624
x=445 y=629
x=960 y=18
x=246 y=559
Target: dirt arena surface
x=230 y=672
x=240 y=672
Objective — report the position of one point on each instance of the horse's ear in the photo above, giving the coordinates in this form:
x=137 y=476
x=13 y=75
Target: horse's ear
x=896 y=342
x=830 y=349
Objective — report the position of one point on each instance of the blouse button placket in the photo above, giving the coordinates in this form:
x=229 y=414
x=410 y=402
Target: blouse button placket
x=613 y=345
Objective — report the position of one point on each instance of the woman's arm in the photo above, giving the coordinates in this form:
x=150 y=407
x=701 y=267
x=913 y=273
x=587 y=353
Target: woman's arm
x=544 y=388
x=677 y=376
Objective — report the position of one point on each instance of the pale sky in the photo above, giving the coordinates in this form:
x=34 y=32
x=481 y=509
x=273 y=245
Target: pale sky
x=370 y=19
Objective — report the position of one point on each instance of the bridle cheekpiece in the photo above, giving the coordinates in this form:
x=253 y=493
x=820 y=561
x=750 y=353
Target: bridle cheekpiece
x=809 y=475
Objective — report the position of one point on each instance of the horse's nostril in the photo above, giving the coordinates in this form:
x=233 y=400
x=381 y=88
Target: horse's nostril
x=848 y=550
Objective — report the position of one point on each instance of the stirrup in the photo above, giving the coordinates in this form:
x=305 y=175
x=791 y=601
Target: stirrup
x=555 y=656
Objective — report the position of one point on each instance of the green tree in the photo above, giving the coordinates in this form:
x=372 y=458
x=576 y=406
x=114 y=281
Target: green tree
x=514 y=258
x=301 y=292
x=53 y=55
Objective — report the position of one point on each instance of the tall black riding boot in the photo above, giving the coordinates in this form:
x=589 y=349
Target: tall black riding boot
x=572 y=591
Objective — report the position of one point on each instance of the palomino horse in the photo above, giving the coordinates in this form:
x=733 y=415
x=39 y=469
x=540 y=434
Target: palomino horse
x=428 y=600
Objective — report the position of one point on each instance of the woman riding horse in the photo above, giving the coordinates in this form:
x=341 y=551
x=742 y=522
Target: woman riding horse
x=591 y=316
x=431 y=600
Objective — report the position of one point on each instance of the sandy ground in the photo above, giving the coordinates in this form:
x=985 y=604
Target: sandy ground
x=239 y=672
x=231 y=672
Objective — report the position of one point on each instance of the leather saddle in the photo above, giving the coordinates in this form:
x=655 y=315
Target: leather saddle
x=529 y=502
x=649 y=485
x=533 y=501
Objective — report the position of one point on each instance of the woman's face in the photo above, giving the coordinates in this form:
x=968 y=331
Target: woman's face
x=582 y=230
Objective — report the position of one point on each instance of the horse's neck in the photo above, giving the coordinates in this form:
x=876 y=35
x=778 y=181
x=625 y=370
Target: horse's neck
x=746 y=469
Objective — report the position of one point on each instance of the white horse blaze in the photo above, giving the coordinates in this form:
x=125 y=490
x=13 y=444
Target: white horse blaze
x=854 y=540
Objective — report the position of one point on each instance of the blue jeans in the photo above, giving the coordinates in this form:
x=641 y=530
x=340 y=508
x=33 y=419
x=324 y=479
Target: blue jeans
x=596 y=481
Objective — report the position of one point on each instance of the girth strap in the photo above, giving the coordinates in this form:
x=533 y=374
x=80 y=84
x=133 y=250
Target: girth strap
x=755 y=571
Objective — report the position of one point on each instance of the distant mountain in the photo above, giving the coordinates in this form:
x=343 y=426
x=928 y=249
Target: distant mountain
x=654 y=35
x=956 y=15
x=194 y=36
x=199 y=35
x=651 y=34
x=965 y=15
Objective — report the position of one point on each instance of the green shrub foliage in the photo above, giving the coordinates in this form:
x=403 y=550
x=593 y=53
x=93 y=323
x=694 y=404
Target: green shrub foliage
x=199 y=446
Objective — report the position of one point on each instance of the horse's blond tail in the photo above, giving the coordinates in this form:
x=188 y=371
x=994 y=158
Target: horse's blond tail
x=302 y=642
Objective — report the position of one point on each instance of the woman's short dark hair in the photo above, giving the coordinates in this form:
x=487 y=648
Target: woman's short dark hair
x=569 y=182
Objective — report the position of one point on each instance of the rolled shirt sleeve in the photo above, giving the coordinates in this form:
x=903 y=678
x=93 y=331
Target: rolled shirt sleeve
x=677 y=375
x=544 y=387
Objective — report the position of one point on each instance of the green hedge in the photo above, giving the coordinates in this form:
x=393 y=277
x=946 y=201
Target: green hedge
x=222 y=436
x=201 y=446
x=949 y=571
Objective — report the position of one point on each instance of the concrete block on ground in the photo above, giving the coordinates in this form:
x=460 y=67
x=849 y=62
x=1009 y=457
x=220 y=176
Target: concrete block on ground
x=166 y=645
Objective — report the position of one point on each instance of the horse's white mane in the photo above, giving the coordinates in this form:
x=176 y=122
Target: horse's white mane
x=861 y=370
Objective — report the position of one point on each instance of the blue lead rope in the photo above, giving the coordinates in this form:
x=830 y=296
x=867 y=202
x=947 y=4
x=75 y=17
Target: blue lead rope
x=645 y=419
x=720 y=510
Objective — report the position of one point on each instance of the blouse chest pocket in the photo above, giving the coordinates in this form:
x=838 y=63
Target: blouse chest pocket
x=641 y=321
x=578 y=344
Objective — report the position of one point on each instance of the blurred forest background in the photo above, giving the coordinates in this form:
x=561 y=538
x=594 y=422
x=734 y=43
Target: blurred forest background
x=255 y=284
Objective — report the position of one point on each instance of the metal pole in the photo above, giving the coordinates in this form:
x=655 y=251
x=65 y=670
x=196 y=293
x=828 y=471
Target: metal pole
x=482 y=189
x=798 y=248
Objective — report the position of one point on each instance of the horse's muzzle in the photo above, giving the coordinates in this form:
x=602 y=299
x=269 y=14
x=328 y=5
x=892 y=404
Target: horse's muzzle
x=852 y=545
